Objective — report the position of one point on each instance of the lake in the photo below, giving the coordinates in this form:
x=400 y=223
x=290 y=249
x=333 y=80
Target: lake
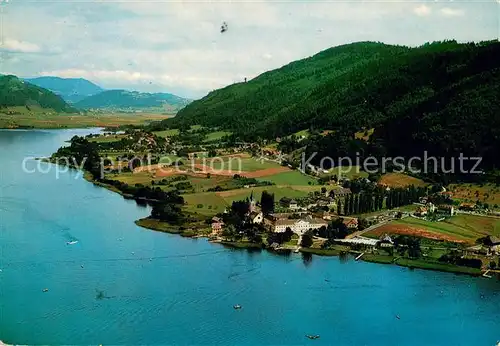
x=121 y=284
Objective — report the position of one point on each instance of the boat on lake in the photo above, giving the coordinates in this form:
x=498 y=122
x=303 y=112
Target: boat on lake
x=72 y=242
x=312 y=337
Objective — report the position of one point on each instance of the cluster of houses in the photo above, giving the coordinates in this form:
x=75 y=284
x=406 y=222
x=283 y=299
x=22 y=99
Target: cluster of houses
x=297 y=220
x=328 y=199
x=430 y=208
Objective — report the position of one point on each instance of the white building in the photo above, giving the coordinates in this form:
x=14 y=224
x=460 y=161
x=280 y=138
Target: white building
x=256 y=217
x=299 y=226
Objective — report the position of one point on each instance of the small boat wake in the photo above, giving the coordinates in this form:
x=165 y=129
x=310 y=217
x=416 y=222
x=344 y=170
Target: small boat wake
x=312 y=337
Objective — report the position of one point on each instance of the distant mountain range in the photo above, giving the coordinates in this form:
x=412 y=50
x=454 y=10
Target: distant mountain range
x=71 y=90
x=17 y=92
x=132 y=100
x=72 y=94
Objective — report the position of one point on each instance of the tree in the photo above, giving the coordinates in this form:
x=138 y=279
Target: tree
x=307 y=239
x=267 y=202
x=323 y=190
x=212 y=153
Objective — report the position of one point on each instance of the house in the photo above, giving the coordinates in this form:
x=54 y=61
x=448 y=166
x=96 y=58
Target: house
x=299 y=226
x=386 y=241
x=326 y=202
x=421 y=211
x=423 y=200
x=351 y=223
x=217 y=225
x=293 y=205
x=256 y=217
x=284 y=202
x=493 y=243
x=431 y=208
x=446 y=209
x=338 y=193
x=467 y=206
x=279 y=216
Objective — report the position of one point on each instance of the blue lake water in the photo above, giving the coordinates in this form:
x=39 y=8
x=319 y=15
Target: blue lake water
x=185 y=293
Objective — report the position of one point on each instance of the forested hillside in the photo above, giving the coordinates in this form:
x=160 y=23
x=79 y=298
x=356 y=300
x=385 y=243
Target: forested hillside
x=360 y=84
x=441 y=98
x=122 y=99
x=16 y=92
x=282 y=101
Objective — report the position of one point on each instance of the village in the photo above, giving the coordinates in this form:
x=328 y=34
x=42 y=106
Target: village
x=393 y=218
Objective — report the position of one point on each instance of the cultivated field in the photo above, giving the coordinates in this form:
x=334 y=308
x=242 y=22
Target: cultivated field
x=167 y=133
x=400 y=180
x=487 y=193
x=459 y=228
x=217 y=135
x=47 y=119
x=350 y=172
x=289 y=178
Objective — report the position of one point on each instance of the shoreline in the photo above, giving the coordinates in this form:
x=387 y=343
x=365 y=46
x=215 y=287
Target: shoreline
x=159 y=226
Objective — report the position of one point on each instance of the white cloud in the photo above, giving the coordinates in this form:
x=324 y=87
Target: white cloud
x=452 y=12
x=422 y=10
x=13 y=45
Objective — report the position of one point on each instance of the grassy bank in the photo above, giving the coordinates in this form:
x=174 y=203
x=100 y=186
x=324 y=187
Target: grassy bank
x=444 y=267
x=321 y=252
x=241 y=244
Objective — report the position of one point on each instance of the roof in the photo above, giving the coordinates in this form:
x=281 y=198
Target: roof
x=288 y=222
x=350 y=222
x=494 y=240
x=469 y=205
x=291 y=222
x=253 y=214
x=293 y=201
x=342 y=190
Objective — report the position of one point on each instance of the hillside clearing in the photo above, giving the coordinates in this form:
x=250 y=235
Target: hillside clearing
x=400 y=180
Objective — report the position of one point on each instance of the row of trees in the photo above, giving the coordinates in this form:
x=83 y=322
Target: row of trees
x=367 y=201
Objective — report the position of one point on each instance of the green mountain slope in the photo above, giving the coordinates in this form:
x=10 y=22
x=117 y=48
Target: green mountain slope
x=132 y=100
x=70 y=89
x=16 y=92
x=358 y=85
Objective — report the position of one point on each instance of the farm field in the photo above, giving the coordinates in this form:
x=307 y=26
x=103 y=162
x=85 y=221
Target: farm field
x=144 y=178
x=167 y=133
x=215 y=202
x=400 y=180
x=107 y=139
x=47 y=120
x=234 y=163
x=209 y=203
x=487 y=193
x=459 y=228
x=289 y=178
x=214 y=136
x=350 y=172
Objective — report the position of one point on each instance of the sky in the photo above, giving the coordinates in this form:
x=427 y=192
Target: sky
x=177 y=47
